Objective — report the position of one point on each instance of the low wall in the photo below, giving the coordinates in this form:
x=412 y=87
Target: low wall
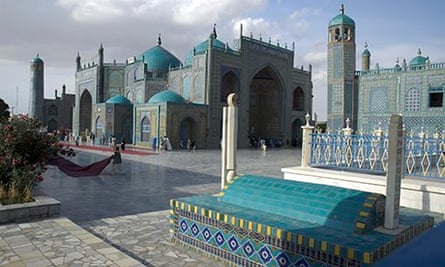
x=42 y=207
x=422 y=194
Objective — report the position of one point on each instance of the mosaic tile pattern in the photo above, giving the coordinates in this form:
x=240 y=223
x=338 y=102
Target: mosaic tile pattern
x=253 y=237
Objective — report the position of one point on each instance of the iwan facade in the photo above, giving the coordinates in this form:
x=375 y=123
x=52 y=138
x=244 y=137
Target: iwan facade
x=155 y=94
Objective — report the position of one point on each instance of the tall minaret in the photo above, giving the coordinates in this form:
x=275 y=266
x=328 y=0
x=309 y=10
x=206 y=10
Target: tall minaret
x=78 y=66
x=36 y=89
x=342 y=92
x=100 y=74
x=366 y=58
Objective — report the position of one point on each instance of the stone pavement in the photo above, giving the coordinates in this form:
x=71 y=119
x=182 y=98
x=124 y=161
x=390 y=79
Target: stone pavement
x=122 y=220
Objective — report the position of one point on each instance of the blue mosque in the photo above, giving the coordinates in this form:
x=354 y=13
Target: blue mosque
x=368 y=97
x=156 y=94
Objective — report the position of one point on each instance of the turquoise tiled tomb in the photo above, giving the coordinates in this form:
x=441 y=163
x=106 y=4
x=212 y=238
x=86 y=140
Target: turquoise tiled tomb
x=261 y=221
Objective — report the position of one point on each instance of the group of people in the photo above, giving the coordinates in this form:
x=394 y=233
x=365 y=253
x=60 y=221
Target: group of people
x=264 y=144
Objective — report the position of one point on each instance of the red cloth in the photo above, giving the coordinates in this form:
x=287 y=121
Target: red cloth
x=74 y=170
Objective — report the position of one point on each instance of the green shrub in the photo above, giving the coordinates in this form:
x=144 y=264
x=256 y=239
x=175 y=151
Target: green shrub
x=23 y=152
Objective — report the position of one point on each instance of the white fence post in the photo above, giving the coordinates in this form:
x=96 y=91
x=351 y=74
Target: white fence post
x=306 y=146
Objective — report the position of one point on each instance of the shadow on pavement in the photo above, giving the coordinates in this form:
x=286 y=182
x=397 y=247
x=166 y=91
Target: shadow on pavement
x=141 y=188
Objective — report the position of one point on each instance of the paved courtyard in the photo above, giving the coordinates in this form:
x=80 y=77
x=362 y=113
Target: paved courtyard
x=122 y=220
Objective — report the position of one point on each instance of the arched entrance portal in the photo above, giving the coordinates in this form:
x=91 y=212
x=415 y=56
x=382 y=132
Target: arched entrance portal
x=266 y=107
x=99 y=127
x=85 y=112
x=145 y=129
x=188 y=131
x=297 y=134
x=229 y=84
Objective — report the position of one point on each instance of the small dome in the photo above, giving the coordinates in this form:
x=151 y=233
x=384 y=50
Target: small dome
x=119 y=99
x=366 y=53
x=166 y=96
x=419 y=60
x=37 y=59
x=202 y=47
x=341 y=19
x=159 y=59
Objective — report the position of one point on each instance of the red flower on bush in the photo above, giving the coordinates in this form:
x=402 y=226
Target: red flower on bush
x=24 y=150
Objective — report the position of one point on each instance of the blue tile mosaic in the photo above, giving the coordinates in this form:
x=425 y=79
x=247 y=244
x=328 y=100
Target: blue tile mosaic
x=245 y=233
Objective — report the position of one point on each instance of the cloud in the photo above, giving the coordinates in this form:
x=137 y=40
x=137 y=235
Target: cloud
x=204 y=11
x=316 y=57
x=96 y=10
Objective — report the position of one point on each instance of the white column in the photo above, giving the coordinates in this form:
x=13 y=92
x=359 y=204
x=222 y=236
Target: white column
x=306 y=146
x=229 y=141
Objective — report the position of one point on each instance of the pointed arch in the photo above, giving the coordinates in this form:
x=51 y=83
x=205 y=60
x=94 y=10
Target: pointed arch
x=298 y=99
x=230 y=83
x=265 y=104
x=99 y=126
x=85 y=110
x=188 y=129
x=145 y=129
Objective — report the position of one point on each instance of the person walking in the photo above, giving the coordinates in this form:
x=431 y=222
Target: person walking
x=117 y=160
x=123 y=144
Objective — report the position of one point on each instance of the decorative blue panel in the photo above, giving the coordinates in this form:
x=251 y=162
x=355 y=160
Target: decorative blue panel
x=379 y=100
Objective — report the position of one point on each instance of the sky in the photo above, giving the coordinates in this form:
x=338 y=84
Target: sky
x=59 y=29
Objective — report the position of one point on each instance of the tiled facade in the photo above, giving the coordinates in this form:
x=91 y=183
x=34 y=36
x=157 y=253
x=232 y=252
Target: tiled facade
x=273 y=95
x=368 y=97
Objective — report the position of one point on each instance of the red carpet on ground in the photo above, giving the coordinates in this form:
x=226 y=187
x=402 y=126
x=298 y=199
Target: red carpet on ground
x=74 y=170
x=130 y=150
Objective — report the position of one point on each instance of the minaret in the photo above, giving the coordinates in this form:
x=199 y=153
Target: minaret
x=100 y=75
x=36 y=89
x=366 y=58
x=342 y=92
x=78 y=66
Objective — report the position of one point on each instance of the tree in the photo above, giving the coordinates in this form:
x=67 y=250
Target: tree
x=4 y=111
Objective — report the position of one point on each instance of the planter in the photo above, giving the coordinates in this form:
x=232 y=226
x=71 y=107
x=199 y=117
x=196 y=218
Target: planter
x=42 y=207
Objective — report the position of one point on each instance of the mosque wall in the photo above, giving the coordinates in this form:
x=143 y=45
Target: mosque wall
x=86 y=81
x=114 y=76
x=402 y=92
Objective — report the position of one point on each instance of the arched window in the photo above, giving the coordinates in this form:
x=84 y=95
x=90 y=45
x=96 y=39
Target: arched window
x=298 y=99
x=229 y=84
x=145 y=130
x=100 y=127
x=337 y=34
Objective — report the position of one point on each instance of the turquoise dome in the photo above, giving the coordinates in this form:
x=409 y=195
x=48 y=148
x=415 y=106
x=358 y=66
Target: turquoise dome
x=419 y=60
x=37 y=59
x=202 y=47
x=119 y=99
x=166 y=96
x=159 y=59
x=341 y=19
